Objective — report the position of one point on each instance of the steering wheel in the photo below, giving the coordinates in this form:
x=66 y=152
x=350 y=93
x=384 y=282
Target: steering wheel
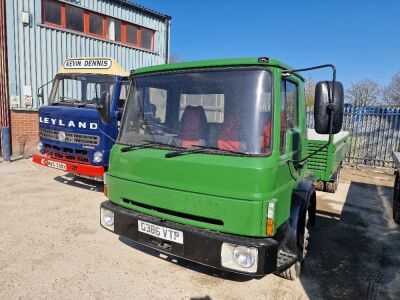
x=155 y=128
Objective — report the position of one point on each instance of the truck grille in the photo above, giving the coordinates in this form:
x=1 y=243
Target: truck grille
x=70 y=137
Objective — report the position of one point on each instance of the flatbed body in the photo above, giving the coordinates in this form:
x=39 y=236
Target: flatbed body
x=326 y=160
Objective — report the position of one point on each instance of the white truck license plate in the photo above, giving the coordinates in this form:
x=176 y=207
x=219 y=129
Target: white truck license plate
x=56 y=165
x=161 y=232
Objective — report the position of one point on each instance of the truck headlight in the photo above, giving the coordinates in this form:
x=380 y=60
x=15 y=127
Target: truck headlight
x=107 y=218
x=241 y=258
x=40 y=146
x=98 y=157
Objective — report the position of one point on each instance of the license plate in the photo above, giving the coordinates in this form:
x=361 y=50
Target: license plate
x=161 y=232
x=56 y=165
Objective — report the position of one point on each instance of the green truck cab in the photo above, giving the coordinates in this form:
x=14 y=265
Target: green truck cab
x=211 y=163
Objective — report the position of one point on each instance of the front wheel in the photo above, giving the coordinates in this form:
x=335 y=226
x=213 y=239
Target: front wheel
x=293 y=272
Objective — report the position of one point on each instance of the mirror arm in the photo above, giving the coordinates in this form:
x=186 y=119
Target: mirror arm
x=38 y=94
x=331 y=106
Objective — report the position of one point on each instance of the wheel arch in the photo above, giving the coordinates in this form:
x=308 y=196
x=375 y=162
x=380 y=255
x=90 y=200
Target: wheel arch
x=303 y=199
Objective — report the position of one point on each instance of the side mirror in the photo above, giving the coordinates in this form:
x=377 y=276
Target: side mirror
x=324 y=109
x=103 y=107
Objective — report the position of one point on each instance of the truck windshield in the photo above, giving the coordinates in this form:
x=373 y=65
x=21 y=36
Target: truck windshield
x=80 y=89
x=227 y=109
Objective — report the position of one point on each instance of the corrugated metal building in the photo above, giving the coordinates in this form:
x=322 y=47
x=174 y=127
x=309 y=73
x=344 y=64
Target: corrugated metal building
x=41 y=34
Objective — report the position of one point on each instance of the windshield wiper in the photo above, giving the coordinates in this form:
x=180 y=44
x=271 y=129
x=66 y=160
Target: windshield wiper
x=223 y=150
x=201 y=149
x=145 y=145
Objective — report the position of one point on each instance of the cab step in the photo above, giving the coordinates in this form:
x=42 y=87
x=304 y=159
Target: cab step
x=285 y=260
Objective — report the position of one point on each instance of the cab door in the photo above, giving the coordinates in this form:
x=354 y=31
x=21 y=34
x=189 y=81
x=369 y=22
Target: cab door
x=290 y=140
x=120 y=96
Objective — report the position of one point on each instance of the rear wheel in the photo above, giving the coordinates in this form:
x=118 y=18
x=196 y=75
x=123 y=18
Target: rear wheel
x=319 y=185
x=332 y=186
x=396 y=201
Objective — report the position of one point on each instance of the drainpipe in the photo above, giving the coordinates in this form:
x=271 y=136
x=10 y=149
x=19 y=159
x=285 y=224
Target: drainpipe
x=4 y=104
x=167 y=23
x=5 y=143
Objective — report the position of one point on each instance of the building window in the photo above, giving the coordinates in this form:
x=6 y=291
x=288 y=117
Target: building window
x=114 y=29
x=132 y=34
x=52 y=12
x=146 y=38
x=96 y=24
x=74 y=18
x=62 y=15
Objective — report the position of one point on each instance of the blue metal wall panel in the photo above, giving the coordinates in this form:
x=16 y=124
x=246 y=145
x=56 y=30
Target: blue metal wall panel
x=36 y=51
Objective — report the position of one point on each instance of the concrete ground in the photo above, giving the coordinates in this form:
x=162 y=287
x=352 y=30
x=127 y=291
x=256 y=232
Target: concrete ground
x=52 y=246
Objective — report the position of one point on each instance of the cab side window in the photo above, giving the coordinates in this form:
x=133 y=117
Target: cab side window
x=289 y=110
x=123 y=95
x=158 y=105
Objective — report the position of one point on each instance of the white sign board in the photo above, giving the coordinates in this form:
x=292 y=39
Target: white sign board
x=87 y=63
x=28 y=90
x=14 y=100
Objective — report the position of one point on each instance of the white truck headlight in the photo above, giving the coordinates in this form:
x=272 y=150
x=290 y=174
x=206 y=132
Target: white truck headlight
x=98 y=157
x=107 y=218
x=241 y=258
x=40 y=146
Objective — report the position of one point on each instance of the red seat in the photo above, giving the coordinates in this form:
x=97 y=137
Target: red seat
x=193 y=126
x=266 y=138
x=229 y=135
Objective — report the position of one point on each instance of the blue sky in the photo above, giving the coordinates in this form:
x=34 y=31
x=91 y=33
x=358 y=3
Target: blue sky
x=361 y=37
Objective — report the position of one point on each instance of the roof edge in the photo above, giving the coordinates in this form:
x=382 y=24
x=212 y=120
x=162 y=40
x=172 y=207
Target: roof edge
x=210 y=63
x=143 y=9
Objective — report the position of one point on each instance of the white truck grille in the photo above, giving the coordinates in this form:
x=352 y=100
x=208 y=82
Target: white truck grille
x=70 y=137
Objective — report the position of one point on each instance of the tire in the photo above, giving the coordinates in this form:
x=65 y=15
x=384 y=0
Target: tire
x=396 y=200
x=332 y=186
x=319 y=185
x=294 y=271
x=396 y=212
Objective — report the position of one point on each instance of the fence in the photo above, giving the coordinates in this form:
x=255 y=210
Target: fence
x=375 y=134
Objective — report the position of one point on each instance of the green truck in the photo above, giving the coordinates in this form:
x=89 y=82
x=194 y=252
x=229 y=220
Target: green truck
x=325 y=162
x=211 y=163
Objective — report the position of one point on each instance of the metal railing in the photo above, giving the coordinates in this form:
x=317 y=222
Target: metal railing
x=375 y=134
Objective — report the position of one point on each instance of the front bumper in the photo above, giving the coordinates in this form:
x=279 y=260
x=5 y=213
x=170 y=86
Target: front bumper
x=71 y=167
x=200 y=245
